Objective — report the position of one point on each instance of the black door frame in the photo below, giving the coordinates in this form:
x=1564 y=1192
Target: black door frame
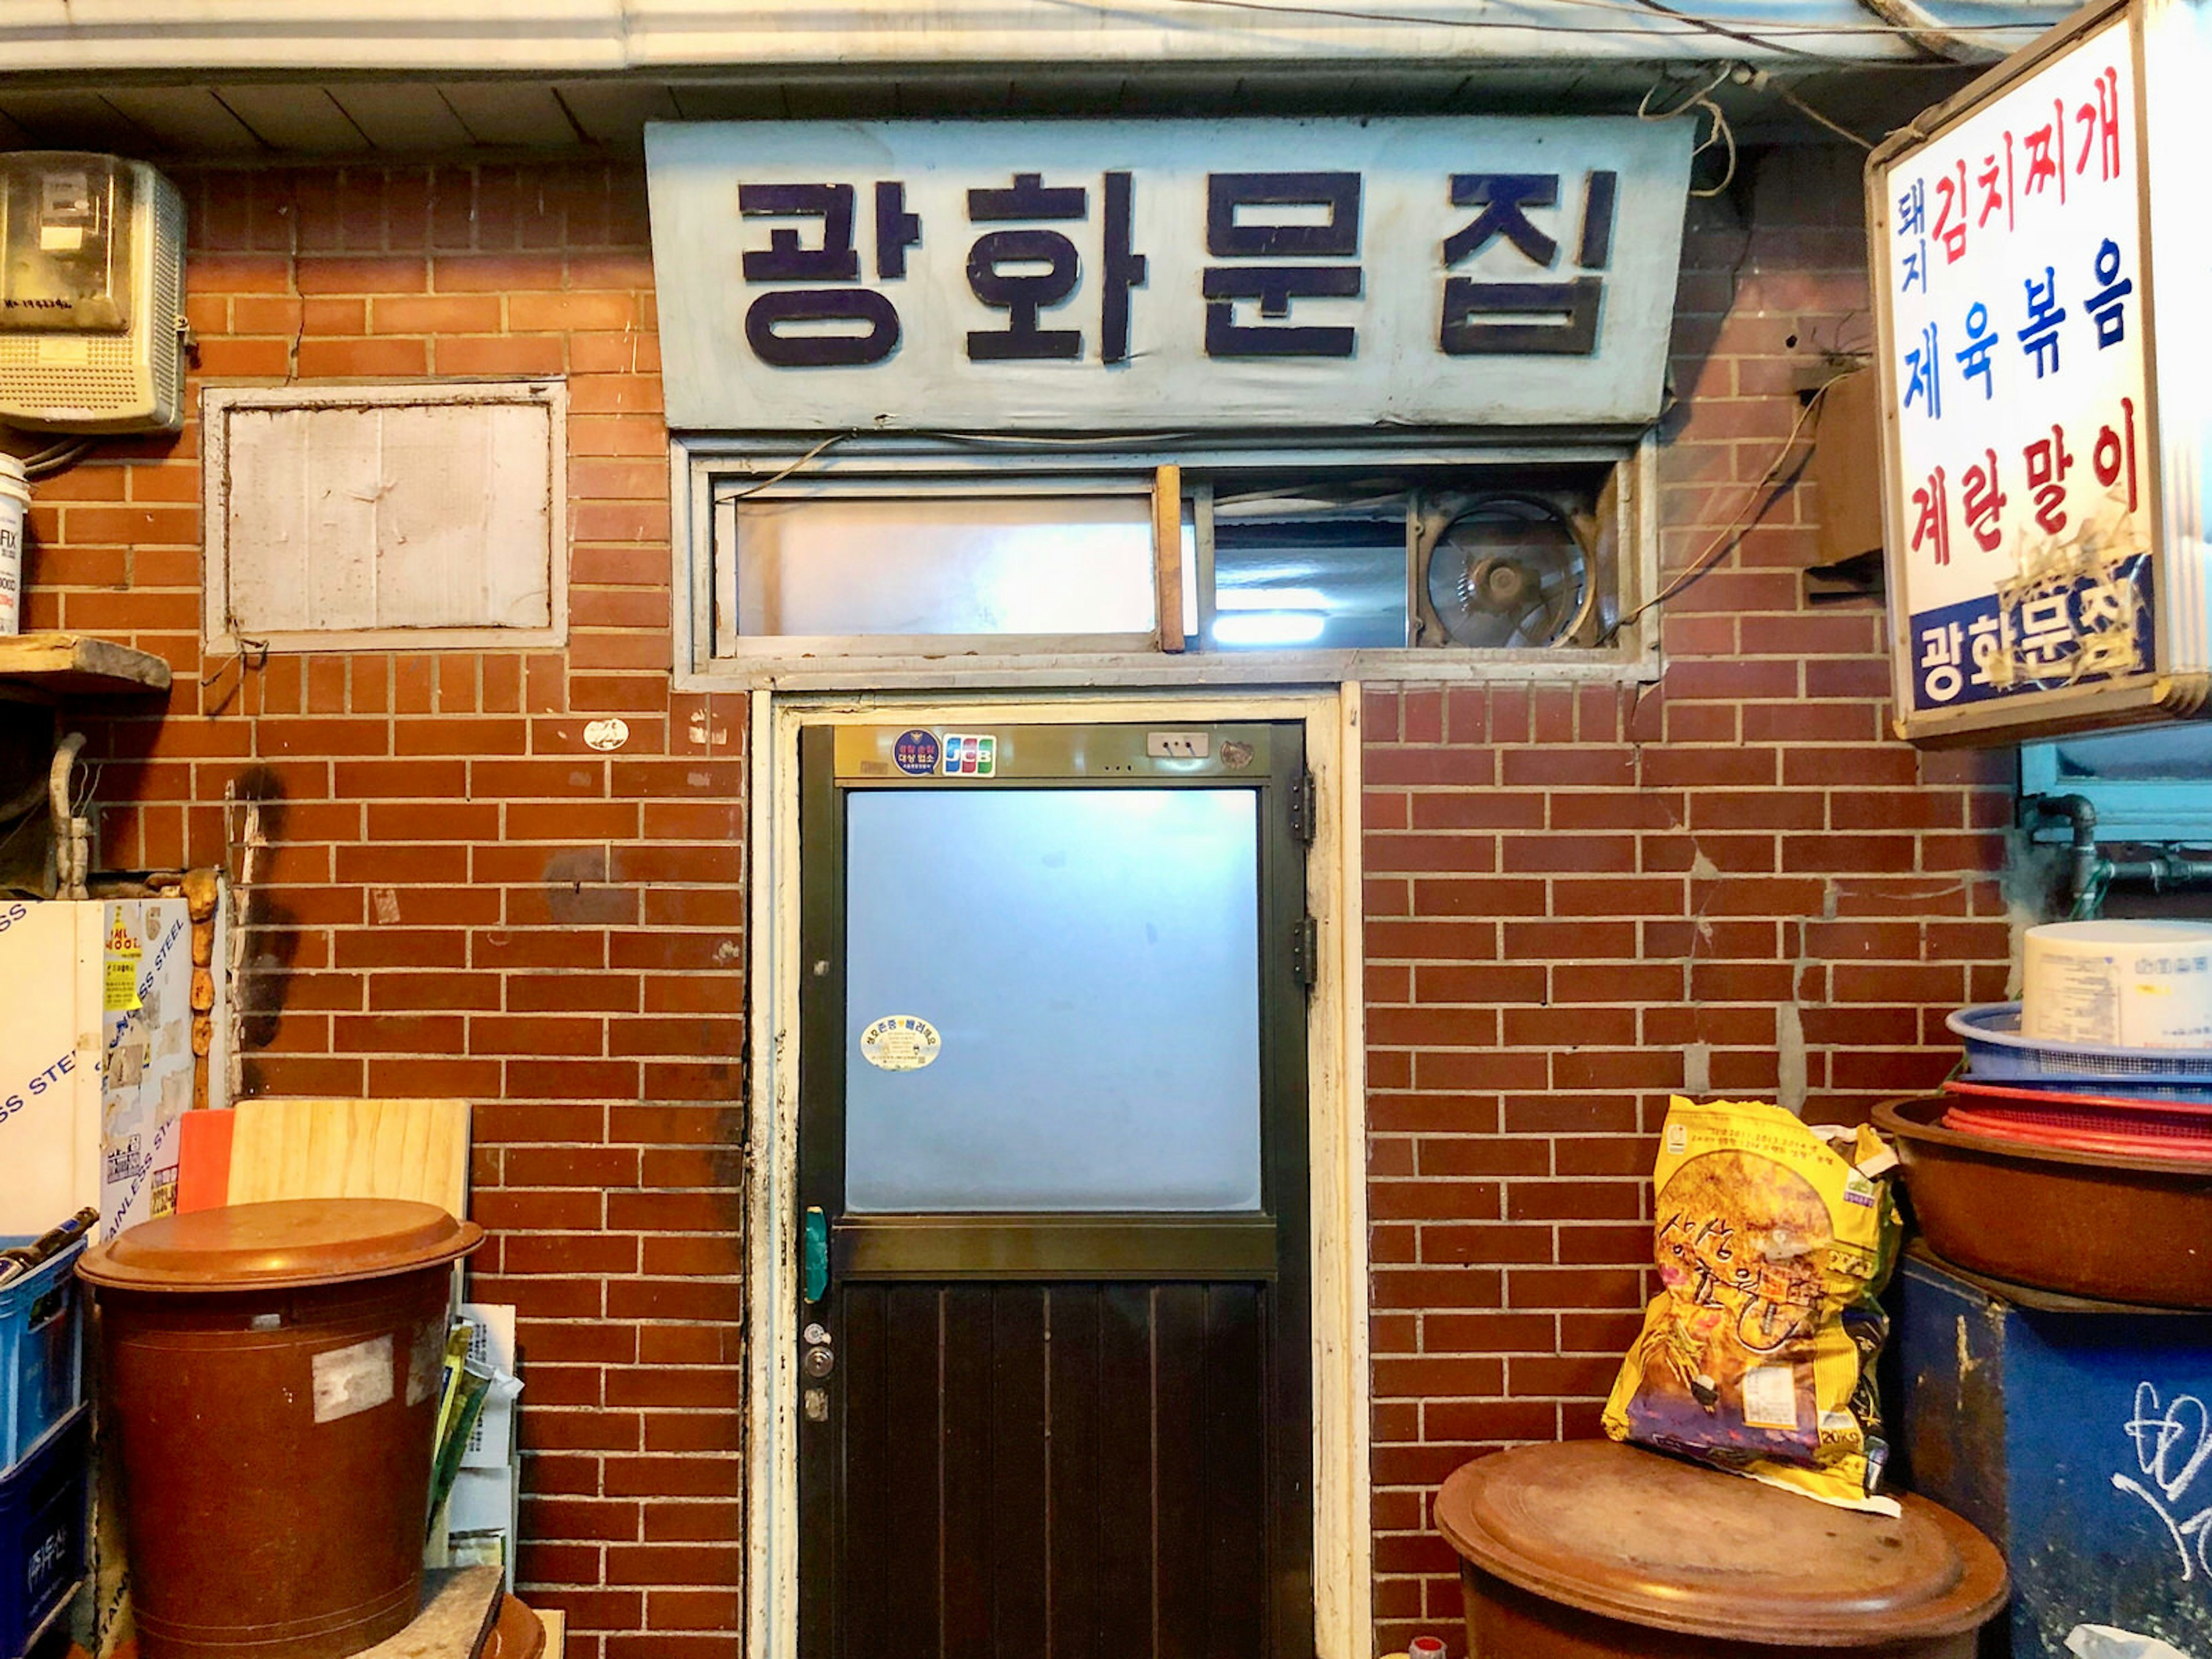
x=1273 y=1248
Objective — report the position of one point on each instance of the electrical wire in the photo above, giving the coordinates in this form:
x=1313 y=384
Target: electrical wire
x=1745 y=518
x=1813 y=115
x=774 y=479
x=1692 y=26
x=1721 y=134
x=54 y=458
x=1711 y=28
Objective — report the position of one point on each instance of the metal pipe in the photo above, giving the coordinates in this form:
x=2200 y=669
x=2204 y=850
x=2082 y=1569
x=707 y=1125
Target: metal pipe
x=2079 y=811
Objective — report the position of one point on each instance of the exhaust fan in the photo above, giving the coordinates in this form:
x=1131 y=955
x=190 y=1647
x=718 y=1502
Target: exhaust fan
x=1507 y=570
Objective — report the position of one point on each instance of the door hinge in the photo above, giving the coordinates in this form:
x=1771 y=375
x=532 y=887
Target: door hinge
x=1305 y=810
x=1305 y=950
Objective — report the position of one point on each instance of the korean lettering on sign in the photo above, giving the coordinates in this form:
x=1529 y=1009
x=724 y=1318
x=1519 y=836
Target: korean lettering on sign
x=947 y=276
x=2017 y=356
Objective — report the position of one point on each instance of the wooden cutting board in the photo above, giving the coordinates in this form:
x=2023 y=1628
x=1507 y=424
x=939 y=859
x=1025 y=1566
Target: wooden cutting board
x=458 y=1607
x=412 y=1149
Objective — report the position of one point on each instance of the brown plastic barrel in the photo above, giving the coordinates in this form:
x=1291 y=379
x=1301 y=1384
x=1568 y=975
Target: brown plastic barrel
x=271 y=1372
x=519 y=1634
x=1591 y=1549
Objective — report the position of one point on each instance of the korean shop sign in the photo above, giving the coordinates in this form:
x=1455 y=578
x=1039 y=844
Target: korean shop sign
x=2035 y=570
x=1165 y=275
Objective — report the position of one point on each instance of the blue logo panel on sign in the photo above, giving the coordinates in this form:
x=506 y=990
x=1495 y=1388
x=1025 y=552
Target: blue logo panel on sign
x=2084 y=621
x=916 y=753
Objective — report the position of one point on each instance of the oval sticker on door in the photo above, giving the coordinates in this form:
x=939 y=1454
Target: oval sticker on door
x=899 y=1042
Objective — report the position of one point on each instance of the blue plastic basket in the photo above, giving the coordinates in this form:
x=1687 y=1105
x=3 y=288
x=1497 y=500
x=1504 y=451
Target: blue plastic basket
x=42 y=1531
x=1996 y=1052
x=41 y=1339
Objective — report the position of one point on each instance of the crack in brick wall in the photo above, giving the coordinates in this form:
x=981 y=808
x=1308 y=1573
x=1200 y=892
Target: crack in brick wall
x=1574 y=894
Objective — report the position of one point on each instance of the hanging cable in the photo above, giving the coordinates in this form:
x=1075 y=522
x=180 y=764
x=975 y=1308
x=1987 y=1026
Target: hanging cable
x=1722 y=133
x=776 y=478
x=1745 y=518
x=1710 y=27
x=1691 y=26
x=1815 y=116
x=56 y=458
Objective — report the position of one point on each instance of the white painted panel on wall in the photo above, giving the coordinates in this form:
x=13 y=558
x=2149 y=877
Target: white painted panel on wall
x=426 y=514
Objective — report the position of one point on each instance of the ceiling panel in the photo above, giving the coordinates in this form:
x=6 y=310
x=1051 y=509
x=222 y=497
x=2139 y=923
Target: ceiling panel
x=615 y=112
x=402 y=115
x=72 y=120
x=303 y=121
x=511 y=113
x=190 y=120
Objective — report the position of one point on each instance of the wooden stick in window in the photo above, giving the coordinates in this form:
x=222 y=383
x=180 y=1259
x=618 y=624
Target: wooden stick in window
x=1167 y=554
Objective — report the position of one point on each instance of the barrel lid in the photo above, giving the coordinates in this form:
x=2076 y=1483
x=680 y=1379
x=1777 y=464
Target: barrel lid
x=1628 y=1533
x=292 y=1243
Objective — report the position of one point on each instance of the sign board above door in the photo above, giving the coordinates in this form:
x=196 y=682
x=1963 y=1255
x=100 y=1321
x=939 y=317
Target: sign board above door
x=2043 y=422
x=1165 y=275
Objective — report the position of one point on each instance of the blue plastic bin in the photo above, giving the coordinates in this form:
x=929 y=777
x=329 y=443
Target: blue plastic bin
x=2074 y=1439
x=1998 y=1052
x=41 y=1348
x=42 y=1531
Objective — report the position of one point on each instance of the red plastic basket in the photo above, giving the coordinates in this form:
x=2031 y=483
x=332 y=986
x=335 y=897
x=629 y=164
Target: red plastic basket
x=2134 y=1127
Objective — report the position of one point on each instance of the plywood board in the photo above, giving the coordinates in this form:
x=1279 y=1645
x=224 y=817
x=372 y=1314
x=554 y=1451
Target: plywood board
x=72 y=663
x=459 y=1606
x=410 y=1149
x=368 y=515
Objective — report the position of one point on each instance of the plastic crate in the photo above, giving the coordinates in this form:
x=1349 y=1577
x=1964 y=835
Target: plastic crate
x=42 y=1531
x=41 y=1339
x=1995 y=1051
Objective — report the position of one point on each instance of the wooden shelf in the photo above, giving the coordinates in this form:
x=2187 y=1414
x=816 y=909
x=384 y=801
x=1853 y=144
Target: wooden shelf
x=46 y=666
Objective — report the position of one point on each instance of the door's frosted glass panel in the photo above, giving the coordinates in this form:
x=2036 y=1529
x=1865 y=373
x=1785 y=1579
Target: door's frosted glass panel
x=920 y=564
x=1090 y=961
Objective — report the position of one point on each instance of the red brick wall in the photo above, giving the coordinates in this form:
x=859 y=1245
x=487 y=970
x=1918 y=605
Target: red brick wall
x=464 y=899
x=1566 y=889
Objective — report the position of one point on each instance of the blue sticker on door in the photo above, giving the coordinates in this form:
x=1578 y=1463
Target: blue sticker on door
x=916 y=753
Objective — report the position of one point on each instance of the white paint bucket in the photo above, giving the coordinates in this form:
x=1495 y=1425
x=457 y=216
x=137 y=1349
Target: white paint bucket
x=2118 y=984
x=15 y=503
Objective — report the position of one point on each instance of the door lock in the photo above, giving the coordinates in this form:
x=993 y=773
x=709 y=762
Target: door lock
x=818 y=1362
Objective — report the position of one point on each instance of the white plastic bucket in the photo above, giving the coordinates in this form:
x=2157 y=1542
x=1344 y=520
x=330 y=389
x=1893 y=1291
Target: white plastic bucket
x=2118 y=984
x=14 y=502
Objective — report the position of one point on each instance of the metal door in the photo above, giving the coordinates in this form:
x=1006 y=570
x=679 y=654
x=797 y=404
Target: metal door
x=1056 y=1372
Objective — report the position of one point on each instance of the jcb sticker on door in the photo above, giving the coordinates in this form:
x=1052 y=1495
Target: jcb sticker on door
x=900 y=1043
x=971 y=757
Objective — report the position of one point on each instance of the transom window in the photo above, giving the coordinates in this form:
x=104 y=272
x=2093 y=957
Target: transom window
x=874 y=567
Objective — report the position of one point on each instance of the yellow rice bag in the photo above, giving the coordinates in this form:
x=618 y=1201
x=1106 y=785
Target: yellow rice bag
x=1757 y=1355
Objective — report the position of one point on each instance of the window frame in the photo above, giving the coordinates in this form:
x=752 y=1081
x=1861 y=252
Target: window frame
x=2175 y=810
x=217 y=634
x=706 y=468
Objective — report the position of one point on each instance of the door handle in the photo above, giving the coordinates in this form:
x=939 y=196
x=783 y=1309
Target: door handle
x=814 y=1254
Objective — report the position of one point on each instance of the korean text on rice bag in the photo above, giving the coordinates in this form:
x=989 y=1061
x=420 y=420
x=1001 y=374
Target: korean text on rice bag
x=1773 y=1239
